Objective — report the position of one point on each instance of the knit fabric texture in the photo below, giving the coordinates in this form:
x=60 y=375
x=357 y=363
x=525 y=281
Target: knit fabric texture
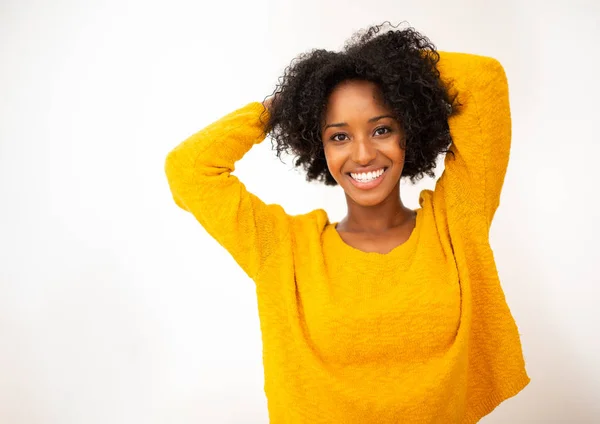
x=421 y=334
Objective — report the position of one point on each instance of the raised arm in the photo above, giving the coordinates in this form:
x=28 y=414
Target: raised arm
x=481 y=134
x=199 y=174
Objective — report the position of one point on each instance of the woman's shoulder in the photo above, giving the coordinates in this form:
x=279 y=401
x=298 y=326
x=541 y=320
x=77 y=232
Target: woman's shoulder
x=315 y=220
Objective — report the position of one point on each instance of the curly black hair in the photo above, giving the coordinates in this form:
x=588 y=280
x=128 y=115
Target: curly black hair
x=402 y=63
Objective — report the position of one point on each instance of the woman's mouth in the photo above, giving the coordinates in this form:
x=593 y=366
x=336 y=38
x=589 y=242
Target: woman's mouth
x=367 y=180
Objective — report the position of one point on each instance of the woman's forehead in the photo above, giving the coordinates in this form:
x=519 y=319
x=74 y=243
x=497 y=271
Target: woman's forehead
x=355 y=99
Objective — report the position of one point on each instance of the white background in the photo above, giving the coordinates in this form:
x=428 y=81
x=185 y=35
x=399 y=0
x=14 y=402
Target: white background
x=116 y=306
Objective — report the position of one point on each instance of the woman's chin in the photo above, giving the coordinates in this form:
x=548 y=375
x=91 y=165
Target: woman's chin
x=366 y=199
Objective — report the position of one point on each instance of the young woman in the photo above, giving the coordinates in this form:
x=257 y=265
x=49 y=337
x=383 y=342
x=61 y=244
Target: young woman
x=391 y=315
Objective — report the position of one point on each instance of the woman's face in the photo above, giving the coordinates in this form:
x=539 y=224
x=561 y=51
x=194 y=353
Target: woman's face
x=362 y=142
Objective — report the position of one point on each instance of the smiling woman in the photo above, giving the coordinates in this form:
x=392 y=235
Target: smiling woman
x=391 y=315
x=366 y=150
x=364 y=154
x=404 y=83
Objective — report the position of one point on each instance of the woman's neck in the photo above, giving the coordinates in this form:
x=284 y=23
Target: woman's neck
x=379 y=218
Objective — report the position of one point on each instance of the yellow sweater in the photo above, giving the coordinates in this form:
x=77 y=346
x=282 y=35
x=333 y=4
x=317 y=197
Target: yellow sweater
x=419 y=335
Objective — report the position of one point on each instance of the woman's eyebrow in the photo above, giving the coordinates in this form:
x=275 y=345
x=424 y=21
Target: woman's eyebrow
x=344 y=124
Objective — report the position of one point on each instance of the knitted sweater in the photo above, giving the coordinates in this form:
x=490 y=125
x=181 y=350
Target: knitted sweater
x=421 y=334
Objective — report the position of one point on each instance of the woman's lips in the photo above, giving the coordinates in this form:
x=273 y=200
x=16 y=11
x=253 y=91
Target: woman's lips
x=369 y=184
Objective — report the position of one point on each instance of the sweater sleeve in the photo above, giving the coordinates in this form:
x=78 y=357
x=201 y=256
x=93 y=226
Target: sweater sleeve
x=481 y=135
x=199 y=174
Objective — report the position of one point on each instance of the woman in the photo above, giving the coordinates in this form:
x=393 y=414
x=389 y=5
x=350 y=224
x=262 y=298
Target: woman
x=391 y=315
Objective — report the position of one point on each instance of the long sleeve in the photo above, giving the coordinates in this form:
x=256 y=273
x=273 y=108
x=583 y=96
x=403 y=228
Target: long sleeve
x=199 y=174
x=481 y=134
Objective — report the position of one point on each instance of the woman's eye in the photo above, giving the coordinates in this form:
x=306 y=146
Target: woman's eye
x=378 y=131
x=383 y=128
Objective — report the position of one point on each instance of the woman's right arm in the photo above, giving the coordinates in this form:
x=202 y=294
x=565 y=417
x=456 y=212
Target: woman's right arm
x=199 y=174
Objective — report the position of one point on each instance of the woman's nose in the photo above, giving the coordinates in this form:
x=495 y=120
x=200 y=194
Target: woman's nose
x=363 y=152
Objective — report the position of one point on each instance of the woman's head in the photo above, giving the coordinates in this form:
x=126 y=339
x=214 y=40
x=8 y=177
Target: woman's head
x=378 y=73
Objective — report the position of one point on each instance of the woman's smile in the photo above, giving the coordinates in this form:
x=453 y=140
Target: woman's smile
x=367 y=180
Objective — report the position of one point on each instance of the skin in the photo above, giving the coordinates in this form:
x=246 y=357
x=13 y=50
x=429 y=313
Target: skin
x=377 y=220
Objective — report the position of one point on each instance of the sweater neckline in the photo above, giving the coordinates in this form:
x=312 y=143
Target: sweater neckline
x=399 y=255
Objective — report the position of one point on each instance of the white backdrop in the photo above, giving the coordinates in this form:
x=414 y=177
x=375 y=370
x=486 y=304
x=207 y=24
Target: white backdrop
x=116 y=306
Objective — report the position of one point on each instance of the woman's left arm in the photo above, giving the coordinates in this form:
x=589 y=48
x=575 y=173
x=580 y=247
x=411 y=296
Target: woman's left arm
x=481 y=133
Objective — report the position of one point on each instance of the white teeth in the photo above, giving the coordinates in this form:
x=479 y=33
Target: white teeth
x=364 y=177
